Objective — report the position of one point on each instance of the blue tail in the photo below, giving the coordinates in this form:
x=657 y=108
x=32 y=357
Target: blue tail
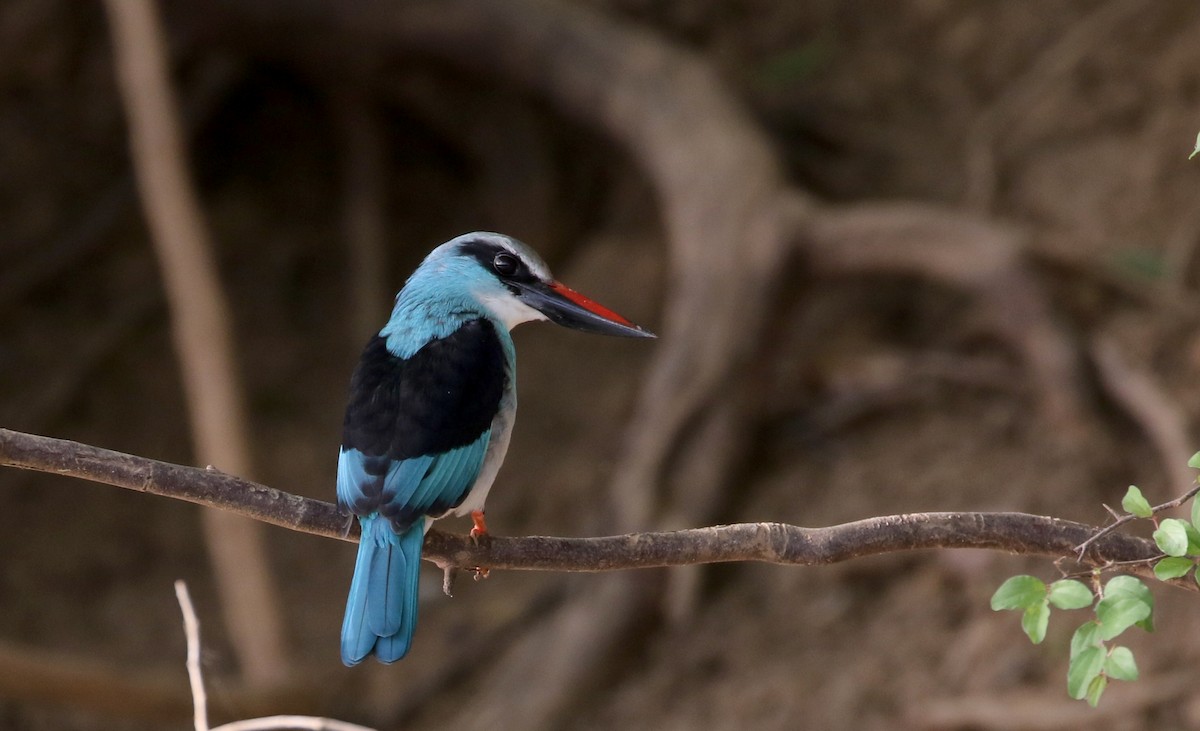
x=381 y=612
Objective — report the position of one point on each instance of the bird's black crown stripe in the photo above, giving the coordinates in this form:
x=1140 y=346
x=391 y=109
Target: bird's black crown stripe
x=442 y=397
x=485 y=253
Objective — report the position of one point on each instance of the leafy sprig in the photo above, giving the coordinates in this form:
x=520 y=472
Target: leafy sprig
x=1121 y=603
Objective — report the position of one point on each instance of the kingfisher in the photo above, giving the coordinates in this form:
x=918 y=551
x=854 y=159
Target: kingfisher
x=429 y=416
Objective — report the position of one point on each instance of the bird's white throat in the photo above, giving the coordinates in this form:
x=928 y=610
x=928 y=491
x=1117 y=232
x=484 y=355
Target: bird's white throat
x=508 y=309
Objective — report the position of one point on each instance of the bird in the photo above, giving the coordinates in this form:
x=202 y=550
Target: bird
x=430 y=411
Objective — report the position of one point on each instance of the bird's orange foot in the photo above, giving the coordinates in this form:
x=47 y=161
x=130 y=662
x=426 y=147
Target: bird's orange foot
x=480 y=529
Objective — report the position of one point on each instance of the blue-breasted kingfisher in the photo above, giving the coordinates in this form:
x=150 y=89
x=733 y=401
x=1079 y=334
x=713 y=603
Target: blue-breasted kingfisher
x=431 y=408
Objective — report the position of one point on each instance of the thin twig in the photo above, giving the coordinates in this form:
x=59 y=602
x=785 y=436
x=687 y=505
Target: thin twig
x=1082 y=548
x=191 y=630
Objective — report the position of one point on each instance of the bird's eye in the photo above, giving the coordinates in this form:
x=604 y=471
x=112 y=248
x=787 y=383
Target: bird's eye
x=505 y=264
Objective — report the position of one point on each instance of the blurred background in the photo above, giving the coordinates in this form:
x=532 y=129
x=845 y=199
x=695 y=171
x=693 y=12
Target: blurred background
x=902 y=257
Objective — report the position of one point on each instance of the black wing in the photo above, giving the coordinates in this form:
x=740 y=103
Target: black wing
x=442 y=397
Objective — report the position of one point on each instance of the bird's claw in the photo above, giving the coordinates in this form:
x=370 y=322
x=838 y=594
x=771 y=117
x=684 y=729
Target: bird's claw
x=479 y=530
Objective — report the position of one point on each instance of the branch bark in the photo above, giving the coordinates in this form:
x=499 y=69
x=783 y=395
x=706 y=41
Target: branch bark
x=777 y=543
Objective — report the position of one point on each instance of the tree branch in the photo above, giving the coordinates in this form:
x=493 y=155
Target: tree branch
x=765 y=542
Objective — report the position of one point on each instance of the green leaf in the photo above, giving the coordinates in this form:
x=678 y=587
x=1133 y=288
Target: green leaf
x=1128 y=585
x=1195 y=151
x=1096 y=689
x=1195 y=513
x=1088 y=635
x=1120 y=664
x=1084 y=667
x=1172 y=537
x=1147 y=624
x=1193 y=537
x=1070 y=594
x=1019 y=592
x=1134 y=502
x=1172 y=567
x=1126 y=602
x=1194 y=462
x=1035 y=620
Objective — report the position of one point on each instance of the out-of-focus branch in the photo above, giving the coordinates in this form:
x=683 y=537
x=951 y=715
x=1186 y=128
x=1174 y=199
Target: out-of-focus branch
x=1163 y=422
x=200 y=327
x=766 y=542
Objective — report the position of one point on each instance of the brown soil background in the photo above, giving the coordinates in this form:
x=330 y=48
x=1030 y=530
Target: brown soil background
x=865 y=101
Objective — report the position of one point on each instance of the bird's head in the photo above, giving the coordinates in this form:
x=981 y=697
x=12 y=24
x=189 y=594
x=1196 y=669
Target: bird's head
x=513 y=283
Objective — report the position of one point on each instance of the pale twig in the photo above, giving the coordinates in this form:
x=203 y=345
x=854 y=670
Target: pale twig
x=191 y=629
